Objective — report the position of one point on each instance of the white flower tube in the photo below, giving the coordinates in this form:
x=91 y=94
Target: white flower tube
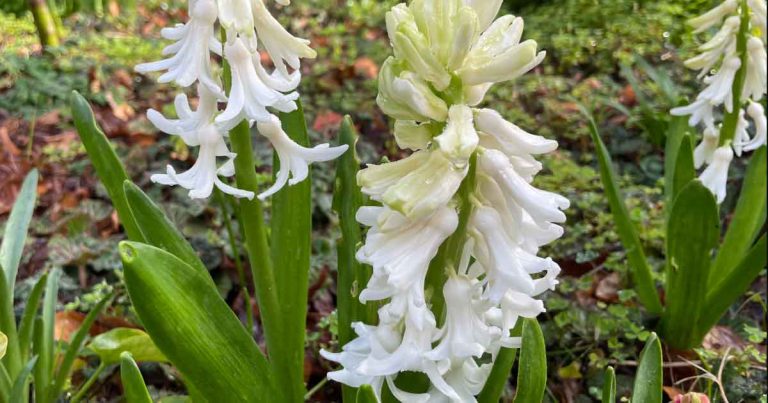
x=715 y=177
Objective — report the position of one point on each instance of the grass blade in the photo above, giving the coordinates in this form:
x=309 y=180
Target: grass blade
x=134 y=388
x=609 y=386
x=157 y=230
x=692 y=233
x=28 y=317
x=291 y=247
x=532 y=372
x=733 y=286
x=105 y=161
x=748 y=219
x=65 y=368
x=44 y=342
x=15 y=234
x=641 y=270
x=648 y=383
x=195 y=329
x=19 y=386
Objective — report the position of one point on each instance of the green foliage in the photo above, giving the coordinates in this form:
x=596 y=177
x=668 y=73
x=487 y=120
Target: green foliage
x=532 y=372
x=649 y=380
x=110 y=346
x=609 y=386
x=133 y=383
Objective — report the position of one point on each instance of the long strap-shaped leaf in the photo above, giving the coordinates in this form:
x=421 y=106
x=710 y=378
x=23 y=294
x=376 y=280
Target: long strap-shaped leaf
x=497 y=380
x=44 y=337
x=722 y=296
x=291 y=246
x=105 y=161
x=609 y=386
x=16 y=230
x=12 y=358
x=27 y=324
x=648 y=383
x=19 y=385
x=532 y=371
x=194 y=327
x=748 y=218
x=692 y=233
x=676 y=137
x=134 y=388
x=684 y=170
x=641 y=270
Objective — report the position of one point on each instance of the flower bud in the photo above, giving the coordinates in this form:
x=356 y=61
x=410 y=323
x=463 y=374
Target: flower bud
x=459 y=140
x=403 y=95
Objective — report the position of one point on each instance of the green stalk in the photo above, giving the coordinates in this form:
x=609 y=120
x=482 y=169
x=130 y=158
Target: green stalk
x=731 y=119
x=45 y=23
x=87 y=385
x=256 y=243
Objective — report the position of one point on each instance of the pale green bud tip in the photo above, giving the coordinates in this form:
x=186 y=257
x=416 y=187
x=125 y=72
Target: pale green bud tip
x=512 y=63
x=412 y=135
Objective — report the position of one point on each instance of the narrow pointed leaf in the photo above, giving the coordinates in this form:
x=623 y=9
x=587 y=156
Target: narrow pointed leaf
x=134 y=388
x=105 y=161
x=290 y=247
x=500 y=373
x=365 y=394
x=676 y=136
x=5 y=384
x=110 y=345
x=28 y=317
x=692 y=233
x=648 y=381
x=19 y=385
x=609 y=386
x=733 y=286
x=684 y=168
x=748 y=218
x=12 y=359
x=157 y=230
x=532 y=371
x=15 y=234
x=195 y=328
x=641 y=270
x=75 y=344
x=44 y=332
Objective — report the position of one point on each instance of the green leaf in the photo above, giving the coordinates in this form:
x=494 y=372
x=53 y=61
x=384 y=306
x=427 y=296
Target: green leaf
x=134 y=388
x=648 y=382
x=44 y=342
x=684 y=169
x=532 y=373
x=609 y=386
x=12 y=359
x=3 y=344
x=105 y=161
x=157 y=230
x=5 y=384
x=497 y=380
x=748 y=219
x=692 y=233
x=65 y=368
x=16 y=230
x=28 y=317
x=352 y=275
x=733 y=286
x=195 y=328
x=110 y=345
x=365 y=394
x=19 y=386
x=641 y=270
x=291 y=247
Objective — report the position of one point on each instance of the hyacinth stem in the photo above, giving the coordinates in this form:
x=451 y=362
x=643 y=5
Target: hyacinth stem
x=731 y=119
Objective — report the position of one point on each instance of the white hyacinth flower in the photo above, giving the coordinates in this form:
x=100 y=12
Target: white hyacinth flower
x=191 y=59
x=741 y=135
x=756 y=80
x=714 y=16
x=284 y=49
x=756 y=112
x=758 y=17
x=700 y=111
x=706 y=149
x=723 y=43
x=719 y=90
x=294 y=159
x=715 y=177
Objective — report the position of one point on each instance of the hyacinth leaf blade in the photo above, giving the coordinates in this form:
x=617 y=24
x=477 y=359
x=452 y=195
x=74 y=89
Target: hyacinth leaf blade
x=532 y=371
x=26 y=326
x=352 y=275
x=609 y=386
x=11 y=361
x=157 y=229
x=44 y=343
x=291 y=230
x=196 y=330
x=73 y=349
x=105 y=161
x=684 y=168
x=692 y=233
x=502 y=367
x=641 y=270
x=134 y=388
x=649 y=379
x=748 y=218
x=15 y=233
x=18 y=392
x=733 y=286
x=365 y=394
x=5 y=378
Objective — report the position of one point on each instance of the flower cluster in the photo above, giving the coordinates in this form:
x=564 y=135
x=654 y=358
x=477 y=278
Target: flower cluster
x=733 y=67
x=253 y=94
x=448 y=53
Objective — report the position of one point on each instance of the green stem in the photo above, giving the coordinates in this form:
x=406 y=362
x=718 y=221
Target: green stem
x=45 y=23
x=220 y=198
x=256 y=243
x=87 y=385
x=731 y=119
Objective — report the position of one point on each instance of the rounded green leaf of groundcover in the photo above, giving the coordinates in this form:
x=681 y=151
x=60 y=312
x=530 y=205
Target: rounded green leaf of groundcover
x=190 y=323
x=108 y=346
